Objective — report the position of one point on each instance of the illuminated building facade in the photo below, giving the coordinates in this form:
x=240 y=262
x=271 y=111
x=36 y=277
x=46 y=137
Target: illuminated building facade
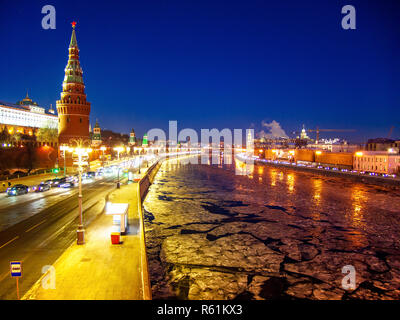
x=382 y=144
x=377 y=162
x=303 y=134
x=73 y=109
x=25 y=117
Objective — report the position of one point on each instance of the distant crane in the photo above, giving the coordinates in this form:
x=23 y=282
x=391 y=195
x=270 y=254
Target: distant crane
x=318 y=130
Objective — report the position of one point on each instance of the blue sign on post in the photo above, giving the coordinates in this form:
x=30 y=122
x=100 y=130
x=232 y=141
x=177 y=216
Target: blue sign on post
x=16 y=268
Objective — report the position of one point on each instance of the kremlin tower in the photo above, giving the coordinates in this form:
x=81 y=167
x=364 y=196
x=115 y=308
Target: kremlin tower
x=132 y=138
x=73 y=109
x=145 y=142
x=96 y=136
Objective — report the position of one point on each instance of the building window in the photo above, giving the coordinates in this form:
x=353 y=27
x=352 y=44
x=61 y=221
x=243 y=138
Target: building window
x=80 y=120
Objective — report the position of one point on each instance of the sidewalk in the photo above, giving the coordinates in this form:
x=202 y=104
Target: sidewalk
x=99 y=270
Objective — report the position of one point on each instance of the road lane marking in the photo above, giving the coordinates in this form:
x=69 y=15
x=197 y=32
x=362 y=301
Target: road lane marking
x=9 y=242
x=36 y=225
x=4 y=275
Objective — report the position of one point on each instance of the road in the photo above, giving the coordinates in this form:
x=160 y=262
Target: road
x=36 y=228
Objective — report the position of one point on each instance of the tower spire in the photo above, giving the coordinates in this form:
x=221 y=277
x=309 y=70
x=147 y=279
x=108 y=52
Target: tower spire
x=73 y=42
x=73 y=109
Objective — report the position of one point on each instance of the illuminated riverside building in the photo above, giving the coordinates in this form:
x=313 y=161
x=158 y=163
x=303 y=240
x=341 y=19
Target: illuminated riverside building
x=377 y=162
x=334 y=145
x=73 y=109
x=25 y=117
x=382 y=144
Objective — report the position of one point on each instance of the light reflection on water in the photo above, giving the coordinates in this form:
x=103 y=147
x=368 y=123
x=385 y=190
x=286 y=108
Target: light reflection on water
x=311 y=191
x=290 y=182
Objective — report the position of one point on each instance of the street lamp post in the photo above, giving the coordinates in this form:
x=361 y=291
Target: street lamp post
x=103 y=148
x=64 y=149
x=81 y=152
x=118 y=149
x=118 y=183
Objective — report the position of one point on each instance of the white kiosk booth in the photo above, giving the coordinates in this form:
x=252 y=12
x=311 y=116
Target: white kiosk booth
x=119 y=211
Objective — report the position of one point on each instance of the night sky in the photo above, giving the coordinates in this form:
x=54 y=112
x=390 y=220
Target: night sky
x=213 y=63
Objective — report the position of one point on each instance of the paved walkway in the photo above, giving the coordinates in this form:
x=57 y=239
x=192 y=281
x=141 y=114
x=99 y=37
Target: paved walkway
x=99 y=270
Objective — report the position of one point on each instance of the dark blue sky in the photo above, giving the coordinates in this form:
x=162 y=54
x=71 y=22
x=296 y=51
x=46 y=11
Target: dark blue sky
x=213 y=63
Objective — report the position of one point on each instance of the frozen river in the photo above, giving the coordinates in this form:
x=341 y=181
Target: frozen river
x=275 y=234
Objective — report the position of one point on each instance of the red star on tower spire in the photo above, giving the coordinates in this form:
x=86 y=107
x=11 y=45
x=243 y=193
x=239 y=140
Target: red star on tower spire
x=73 y=24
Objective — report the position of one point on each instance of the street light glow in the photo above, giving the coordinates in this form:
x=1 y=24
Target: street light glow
x=81 y=151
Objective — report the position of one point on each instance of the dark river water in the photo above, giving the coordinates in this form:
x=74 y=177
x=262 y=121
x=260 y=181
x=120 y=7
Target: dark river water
x=274 y=234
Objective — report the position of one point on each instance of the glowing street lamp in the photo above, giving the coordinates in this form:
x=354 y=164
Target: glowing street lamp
x=119 y=149
x=359 y=154
x=82 y=153
x=64 y=148
x=103 y=148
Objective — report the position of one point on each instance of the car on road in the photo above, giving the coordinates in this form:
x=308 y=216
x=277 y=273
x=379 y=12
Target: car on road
x=69 y=178
x=108 y=171
x=42 y=187
x=17 y=190
x=49 y=182
x=57 y=182
x=99 y=173
x=67 y=184
x=91 y=174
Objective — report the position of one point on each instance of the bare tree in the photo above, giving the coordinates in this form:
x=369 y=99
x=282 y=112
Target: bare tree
x=47 y=134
